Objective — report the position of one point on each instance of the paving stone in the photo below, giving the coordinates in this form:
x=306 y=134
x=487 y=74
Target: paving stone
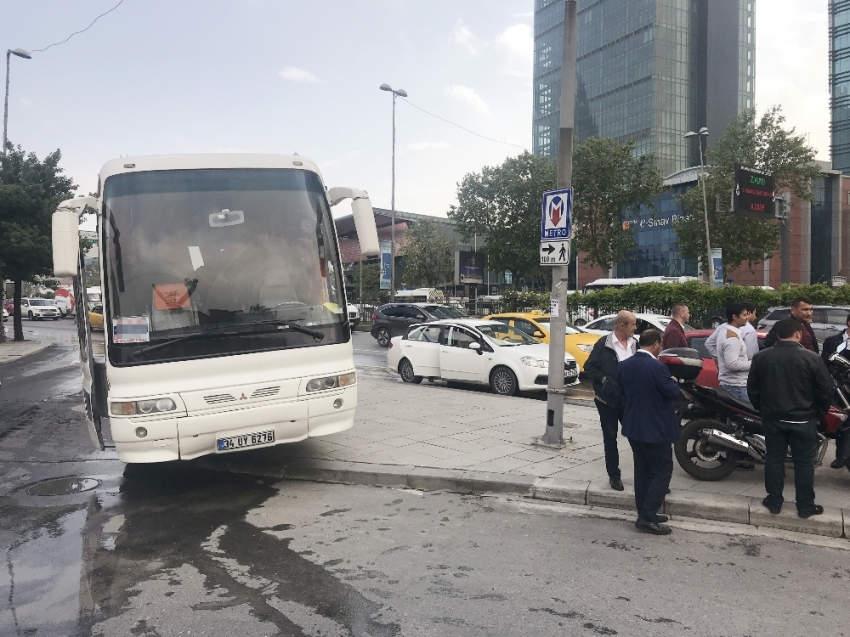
x=379 y=475
x=560 y=490
x=830 y=523
x=500 y=483
x=722 y=507
x=440 y=480
x=601 y=494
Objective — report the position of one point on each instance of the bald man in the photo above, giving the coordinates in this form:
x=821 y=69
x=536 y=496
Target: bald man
x=601 y=369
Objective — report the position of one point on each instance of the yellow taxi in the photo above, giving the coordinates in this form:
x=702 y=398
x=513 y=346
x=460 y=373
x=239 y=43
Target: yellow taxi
x=536 y=324
x=96 y=317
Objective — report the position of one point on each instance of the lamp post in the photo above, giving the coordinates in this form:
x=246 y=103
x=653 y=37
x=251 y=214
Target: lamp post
x=21 y=54
x=709 y=268
x=396 y=93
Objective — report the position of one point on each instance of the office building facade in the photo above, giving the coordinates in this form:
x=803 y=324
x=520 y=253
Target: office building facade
x=839 y=83
x=648 y=71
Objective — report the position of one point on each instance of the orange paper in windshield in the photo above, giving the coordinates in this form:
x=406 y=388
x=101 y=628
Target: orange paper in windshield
x=171 y=296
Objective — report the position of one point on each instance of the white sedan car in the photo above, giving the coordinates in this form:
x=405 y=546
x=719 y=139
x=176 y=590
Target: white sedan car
x=604 y=325
x=475 y=351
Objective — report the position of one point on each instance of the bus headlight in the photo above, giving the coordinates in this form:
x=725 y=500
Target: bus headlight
x=142 y=407
x=331 y=382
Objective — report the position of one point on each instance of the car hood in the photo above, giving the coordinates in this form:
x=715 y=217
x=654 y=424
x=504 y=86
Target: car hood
x=538 y=350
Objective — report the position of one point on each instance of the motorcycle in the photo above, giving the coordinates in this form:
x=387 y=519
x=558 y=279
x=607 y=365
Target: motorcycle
x=723 y=431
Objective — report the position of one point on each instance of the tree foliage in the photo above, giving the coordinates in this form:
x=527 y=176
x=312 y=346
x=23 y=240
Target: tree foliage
x=503 y=203
x=30 y=190
x=764 y=145
x=429 y=255
x=609 y=182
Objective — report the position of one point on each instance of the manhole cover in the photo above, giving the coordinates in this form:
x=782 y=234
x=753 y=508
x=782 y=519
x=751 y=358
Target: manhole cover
x=63 y=486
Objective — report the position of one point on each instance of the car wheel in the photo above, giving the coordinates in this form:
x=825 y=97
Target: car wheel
x=714 y=323
x=30 y=316
x=56 y=318
x=579 y=322
x=405 y=369
x=383 y=335
x=503 y=381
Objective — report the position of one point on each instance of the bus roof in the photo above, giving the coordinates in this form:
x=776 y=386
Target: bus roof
x=202 y=161
x=617 y=283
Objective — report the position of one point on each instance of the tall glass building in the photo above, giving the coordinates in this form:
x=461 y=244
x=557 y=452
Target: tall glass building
x=648 y=71
x=839 y=82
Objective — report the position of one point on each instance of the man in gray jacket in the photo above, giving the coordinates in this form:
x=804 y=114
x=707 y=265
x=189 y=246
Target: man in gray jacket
x=733 y=364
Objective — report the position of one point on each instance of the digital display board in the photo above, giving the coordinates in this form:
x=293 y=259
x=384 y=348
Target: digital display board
x=754 y=192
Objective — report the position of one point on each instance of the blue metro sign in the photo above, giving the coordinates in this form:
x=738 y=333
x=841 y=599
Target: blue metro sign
x=557 y=221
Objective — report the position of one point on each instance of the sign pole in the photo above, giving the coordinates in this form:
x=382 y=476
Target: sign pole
x=554 y=434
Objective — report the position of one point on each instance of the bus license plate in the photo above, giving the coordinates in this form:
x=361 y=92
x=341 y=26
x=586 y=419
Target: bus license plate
x=246 y=440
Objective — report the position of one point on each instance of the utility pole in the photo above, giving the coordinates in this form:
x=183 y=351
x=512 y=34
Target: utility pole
x=783 y=213
x=554 y=435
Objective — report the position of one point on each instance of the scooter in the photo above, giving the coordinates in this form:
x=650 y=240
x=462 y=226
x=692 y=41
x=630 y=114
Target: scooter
x=724 y=431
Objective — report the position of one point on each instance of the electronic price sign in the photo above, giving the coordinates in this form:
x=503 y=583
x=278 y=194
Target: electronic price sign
x=754 y=192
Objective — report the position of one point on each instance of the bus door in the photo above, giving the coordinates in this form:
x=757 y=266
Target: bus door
x=92 y=362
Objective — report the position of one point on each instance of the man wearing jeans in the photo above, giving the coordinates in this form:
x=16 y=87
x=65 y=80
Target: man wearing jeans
x=733 y=364
x=791 y=387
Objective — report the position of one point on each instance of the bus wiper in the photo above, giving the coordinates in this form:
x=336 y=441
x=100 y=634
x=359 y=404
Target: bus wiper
x=269 y=326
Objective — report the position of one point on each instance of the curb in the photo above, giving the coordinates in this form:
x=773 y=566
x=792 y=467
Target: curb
x=5 y=359
x=708 y=506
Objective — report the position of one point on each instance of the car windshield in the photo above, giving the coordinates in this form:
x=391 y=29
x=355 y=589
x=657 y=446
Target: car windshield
x=198 y=251
x=443 y=311
x=502 y=334
x=40 y=302
x=571 y=329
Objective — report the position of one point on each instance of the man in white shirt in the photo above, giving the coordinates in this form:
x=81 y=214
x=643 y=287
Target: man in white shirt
x=748 y=333
x=733 y=363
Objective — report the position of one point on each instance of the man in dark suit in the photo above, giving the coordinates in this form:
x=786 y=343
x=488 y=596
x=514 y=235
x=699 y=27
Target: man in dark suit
x=651 y=425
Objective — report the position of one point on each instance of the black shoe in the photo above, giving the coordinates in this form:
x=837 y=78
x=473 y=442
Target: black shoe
x=837 y=463
x=661 y=518
x=745 y=465
x=616 y=484
x=773 y=508
x=808 y=512
x=652 y=527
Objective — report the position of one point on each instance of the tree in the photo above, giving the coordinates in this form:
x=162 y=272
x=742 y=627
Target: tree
x=30 y=190
x=429 y=255
x=763 y=145
x=503 y=203
x=609 y=181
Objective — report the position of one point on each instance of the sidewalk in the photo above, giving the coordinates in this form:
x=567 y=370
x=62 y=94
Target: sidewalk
x=436 y=438
x=11 y=351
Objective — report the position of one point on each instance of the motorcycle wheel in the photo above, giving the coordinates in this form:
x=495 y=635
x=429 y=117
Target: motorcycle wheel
x=700 y=459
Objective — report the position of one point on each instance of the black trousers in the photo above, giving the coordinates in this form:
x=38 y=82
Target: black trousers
x=802 y=438
x=653 y=470
x=610 y=421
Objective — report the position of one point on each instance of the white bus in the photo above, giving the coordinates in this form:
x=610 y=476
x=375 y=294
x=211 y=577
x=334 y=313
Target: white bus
x=223 y=304
x=601 y=284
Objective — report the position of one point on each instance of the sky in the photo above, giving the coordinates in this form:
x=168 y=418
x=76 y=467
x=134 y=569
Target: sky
x=283 y=76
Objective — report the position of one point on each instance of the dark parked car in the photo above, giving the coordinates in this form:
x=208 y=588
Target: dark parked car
x=393 y=319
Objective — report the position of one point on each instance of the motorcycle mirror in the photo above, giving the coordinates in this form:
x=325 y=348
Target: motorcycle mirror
x=838 y=358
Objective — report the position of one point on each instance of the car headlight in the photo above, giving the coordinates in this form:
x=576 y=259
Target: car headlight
x=533 y=361
x=142 y=407
x=331 y=382
x=585 y=348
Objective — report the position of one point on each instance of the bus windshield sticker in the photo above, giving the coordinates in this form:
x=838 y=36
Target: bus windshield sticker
x=131 y=329
x=170 y=296
x=195 y=256
x=226 y=218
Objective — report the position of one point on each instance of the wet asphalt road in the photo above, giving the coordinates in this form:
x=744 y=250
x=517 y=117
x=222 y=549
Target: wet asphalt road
x=177 y=550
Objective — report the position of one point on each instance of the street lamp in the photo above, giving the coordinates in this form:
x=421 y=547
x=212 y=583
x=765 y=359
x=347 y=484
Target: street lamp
x=21 y=54
x=709 y=268
x=396 y=93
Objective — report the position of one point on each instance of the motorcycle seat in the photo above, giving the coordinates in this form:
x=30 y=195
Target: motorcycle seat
x=729 y=398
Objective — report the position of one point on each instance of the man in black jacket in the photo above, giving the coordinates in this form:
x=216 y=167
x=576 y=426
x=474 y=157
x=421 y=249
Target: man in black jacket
x=838 y=343
x=801 y=310
x=792 y=388
x=601 y=369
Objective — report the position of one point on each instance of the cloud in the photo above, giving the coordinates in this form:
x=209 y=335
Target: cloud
x=465 y=38
x=417 y=146
x=468 y=96
x=518 y=41
x=294 y=74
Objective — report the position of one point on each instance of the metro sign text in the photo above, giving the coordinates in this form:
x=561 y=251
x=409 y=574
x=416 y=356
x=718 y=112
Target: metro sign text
x=557 y=214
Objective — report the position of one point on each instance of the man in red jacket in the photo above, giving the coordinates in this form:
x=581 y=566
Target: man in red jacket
x=674 y=334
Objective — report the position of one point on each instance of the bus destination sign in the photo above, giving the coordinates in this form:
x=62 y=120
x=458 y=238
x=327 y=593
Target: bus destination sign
x=754 y=192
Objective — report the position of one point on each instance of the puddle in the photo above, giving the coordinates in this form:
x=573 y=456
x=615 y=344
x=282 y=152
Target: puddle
x=64 y=486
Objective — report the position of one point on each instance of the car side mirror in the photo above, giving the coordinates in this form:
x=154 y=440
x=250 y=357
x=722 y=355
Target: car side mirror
x=475 y=347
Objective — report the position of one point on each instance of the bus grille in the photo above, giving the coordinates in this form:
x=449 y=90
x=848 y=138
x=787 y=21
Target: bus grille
x=218 y=398
x=265 y=392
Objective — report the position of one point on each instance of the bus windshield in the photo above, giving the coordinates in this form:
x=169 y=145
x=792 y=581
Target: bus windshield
x=197 y=256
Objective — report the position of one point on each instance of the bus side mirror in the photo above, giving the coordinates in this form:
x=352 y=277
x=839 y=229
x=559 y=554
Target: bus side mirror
x=364 y=217
x=66 y=243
